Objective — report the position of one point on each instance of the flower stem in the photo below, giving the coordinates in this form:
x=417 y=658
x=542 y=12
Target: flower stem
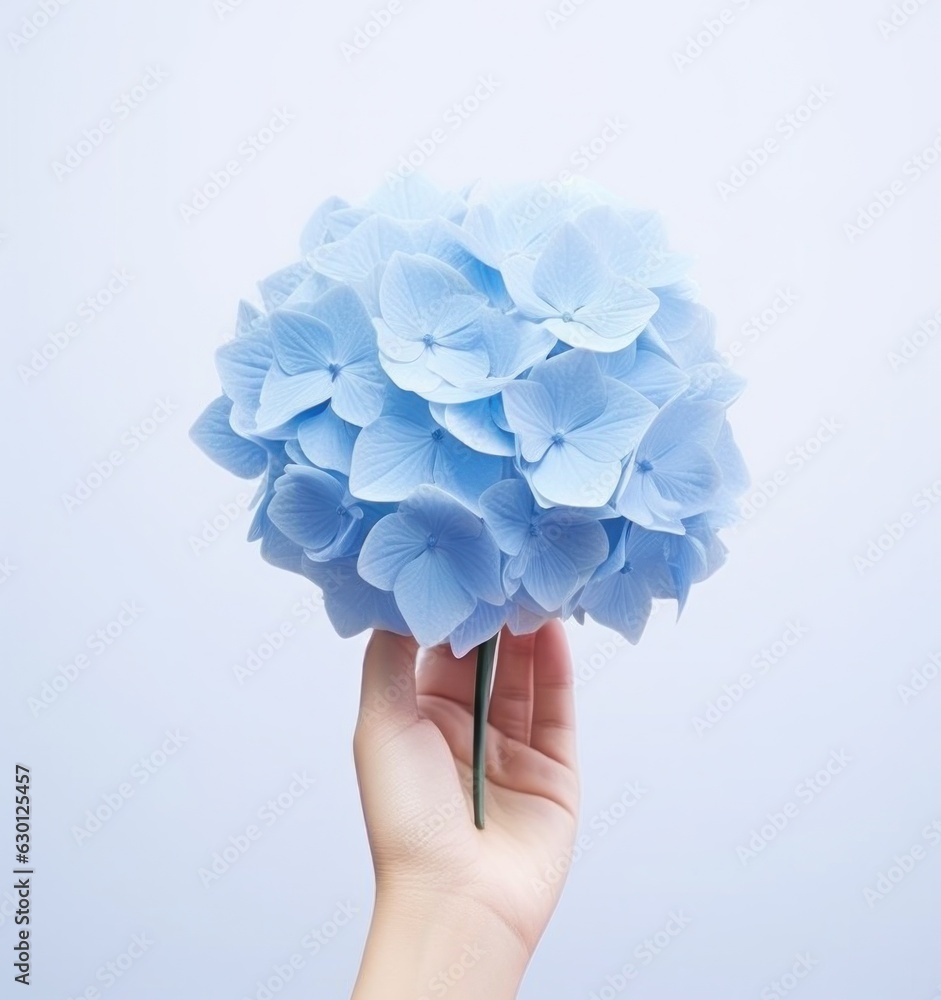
x=485 y=657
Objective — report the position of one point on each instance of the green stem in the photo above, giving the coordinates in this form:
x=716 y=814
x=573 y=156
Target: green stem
x=485 y=657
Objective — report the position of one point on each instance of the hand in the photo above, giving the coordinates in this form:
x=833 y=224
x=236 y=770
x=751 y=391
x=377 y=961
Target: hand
x=436 y=873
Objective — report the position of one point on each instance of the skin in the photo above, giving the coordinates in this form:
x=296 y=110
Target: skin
x=460 y=910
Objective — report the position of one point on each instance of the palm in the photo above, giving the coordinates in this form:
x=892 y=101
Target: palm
x=416 y=777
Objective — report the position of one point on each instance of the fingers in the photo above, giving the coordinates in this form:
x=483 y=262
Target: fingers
x=387 y=696
x=553 y=728
x=441 y=673
x=511 y=703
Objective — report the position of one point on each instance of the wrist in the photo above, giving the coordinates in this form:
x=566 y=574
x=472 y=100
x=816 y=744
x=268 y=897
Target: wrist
x=423 y=945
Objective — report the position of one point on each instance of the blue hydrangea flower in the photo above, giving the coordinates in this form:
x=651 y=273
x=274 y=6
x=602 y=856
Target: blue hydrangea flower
x=484 y=408
x=675 y=474
x=326 y=353
x=578 y=298
x=316 y=510
x=551 y=552
x=437 y=558
x=574 y=429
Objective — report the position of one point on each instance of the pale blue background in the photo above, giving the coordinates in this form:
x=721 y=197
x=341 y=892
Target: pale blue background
x=825 y=357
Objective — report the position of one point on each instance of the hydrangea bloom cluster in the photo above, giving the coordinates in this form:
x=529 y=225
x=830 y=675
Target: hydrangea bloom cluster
x=481 y=408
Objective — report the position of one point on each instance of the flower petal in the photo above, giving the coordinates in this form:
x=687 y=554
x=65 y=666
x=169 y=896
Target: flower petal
x=393 y=542
x=301 y=342
x=328 y=441
x=285 y=396
x=421 y=297
x=213 y=433
x=306 y=507
x=390 y=458
x=431 y=598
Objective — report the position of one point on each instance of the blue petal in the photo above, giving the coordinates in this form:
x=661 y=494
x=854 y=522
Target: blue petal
x=421 y=297
x=392 y=543
x=621 y=601
x=278 y=286
x=214 y=435
x=579 y=390
x=415 y=197
x=530 y=413
x=248 y=319
x=656 y=378
x=550 y=577
x=613 y=435
x=358 y=393
x=474 y=424
x=342 y=311
x=286 y=396
x=353 y=605
x=355 y=257
x=465 y=473
x=309 y=508
x=612 y=321
x=242 y=366
x=431 y=598
x=565 y=475
x=391 y=457
x=485 y=622
x=328 y=441
x=685 y=327
x=317 y=230
x=507 y=509
x=633 y=245
x=301 y=342
x=569 y=273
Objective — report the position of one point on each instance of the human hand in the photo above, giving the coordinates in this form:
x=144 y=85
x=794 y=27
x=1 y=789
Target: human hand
x=437 y=875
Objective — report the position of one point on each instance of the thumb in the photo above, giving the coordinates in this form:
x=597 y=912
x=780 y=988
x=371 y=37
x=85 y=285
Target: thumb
x=387 y=697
